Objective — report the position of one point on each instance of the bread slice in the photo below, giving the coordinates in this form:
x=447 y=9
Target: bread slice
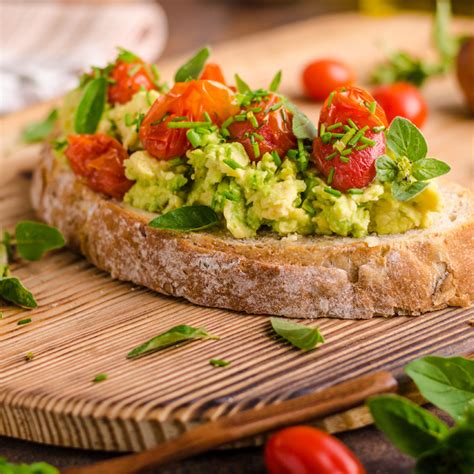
x=309 y=277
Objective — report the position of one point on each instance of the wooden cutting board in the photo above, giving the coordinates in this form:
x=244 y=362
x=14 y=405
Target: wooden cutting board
x=87 y=322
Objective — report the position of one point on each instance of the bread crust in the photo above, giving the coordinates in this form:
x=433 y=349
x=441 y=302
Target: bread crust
x=310 y=277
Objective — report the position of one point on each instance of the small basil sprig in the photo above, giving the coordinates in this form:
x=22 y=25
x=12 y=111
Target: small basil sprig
x=302 y=126
x=171 y=337
x=185 y=219
x=448 y=383
x=39 y=131
x=302 y=337
x=406 y=166
x=35 y=468
x=193 y=67
x=91 y=107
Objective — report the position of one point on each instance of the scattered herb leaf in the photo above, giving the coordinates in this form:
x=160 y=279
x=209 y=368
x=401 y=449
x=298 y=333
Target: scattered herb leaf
x=302 y=126
x=405 y=139
x=35 y=468
x=275 y=82
x=127 y=56
x=39 y=131
x=303 y=337
x=12 y=290
x=33 y=239
x=91 y=106
x=219 y=363
x=185 y=219
x=403 y=190
x=171 y=337
x=29 y=356
x=387 y=169
x=242 y=86
x=429 y=168
x=22 y=322
x=193 y=67
x=100 y=378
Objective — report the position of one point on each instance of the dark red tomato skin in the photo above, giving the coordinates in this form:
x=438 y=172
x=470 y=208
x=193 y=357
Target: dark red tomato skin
x=359 y=172
x=323 y=76
x=213 y=72
x=126 y=84
x=402 y=99
x=275 y=130
x=306 y=450
x=190 y=99
x=99 y=160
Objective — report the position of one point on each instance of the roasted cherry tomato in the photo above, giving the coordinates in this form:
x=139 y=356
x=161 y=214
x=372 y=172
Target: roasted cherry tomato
x=128 y=78
x=213 y=72
x=323 y=76
x=404 y=100
x=306 y=450
x=99 y=159
x=189 y=100
x=352 y=164
x=269 y=130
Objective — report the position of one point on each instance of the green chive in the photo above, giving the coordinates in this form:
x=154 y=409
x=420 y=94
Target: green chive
x=367 y=141
x=276 y=157
x=284 y=115
x=322 y=129
x=219 y=363
x=308 y=208
x=251 y=118
x=256 y=110
x=331 y=175
x=24 y=321
x=358 y=136
x=334 y=126
x=193 y=138
x=228 y=122
x=326 y=138
x=339 y=146
x=331 y=156
x=346 y=152
x=99 y=378
x=292 y=153
x=372 y=107
x=154 y=70
x=175 y=124
x=258 y=136
x=276 y=106
x=128 y=120
x=132 y=71
x=355 y=191
x=378 y=129
x=348 y=135
x=240 y=118
x=344 y=159
x=334 y=192
x=225 y=133
x=300 y=145
x=331 y=96
x=207 y=117
x=361 y=147
x=256 y=149
x=346 y=128
x=352 y=124
x=231 y=163
x=337 y=135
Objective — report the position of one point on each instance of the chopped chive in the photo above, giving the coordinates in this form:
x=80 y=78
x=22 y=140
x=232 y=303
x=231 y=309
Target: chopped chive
x=358 y=136
x=337 y=135
x=308 y=208
x=251 y=118
x=258 y=136
x=332 y=191
x=256 y=149
x=372 y=107
x=361 y=147
x=339 y=146
x=256 y=110
x=219 y=363
x=348 y=135
x=344 y=159
x=322 y=129
x=346 y=128
x=230 y=196
x=346 y=152
x=352 y=124
x=193 y=138
x=334 y=126
x=24 y=321
x=162 y=119
x=177 y=161
x=276 y=157
x=154 y=70
x=29 y=356
x=225 y=133
x=240 y=118
x=292 y=153
x=331 y=96
x=378 y=129
x=300 y=145
x=276 y=106
x=331 y=156
x=175 y=124
x=284 y=115
x=99 y=378
x=133 y=70
x=331 y=175
x=179 y=118
x=367 y=141
x=326 y=138
x=207 y=117
x=128 y=120
x=228 y=122
x=231 y=163
x=355 y=191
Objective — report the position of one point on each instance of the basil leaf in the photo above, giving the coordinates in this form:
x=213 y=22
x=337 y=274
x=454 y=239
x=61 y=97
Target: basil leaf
x=39 y=131
x=35 y=468
x=303 y=337
x=242 y=86
x=275 y=82
x=186 y=218
x=192 y=69
x=428 y=168
x=302 y=126
x=404 y=139
x=412 y=429
x=174 y=336
x=33 y=239
x=11 y=289
x=387 y=169
x=403 y=191
x=447 y=382
x=91 y=106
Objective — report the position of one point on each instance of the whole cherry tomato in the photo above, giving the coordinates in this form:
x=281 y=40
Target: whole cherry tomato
x=99 y=159
x=270 y=131
x=404 y=100
x=306 y=450
x=213 y=72
x=187 y=100
x=128 y=78
x=322 y=76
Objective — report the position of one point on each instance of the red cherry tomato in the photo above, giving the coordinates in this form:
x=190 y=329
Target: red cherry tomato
x=128 y=79
x=213 y=72
x=272 y=133
x=306 y=450
x=356 y=168
x=404 y=100
x=186 y=99
x=322 y=76
x=99 y=159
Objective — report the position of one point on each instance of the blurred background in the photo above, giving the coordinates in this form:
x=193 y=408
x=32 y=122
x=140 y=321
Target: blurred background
x=46 y=43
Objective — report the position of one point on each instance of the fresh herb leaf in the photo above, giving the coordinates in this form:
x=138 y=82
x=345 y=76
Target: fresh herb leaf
x=11 y=289
x=33 y=239
x=428 y=168
x=275 y=82
x=219 y=363
x=192 y=69
x=412 y=429
x=91 y=106
x=29 y=356
x=22 y=322
x=303 y=337
x=405 y=139
x=447 y=382
x=39 y=131
x=387 y=169
x=446 y=44
x=35 y=468
x=100 y=378
x=242 y=86
x=174 y=336
x=403 y=190
x=302 y=126
x=127 y=56
x=186 y=219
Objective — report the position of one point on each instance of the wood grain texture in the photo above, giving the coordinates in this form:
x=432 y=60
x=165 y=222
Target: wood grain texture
x=87 y=322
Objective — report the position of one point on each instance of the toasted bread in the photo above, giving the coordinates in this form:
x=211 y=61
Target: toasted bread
x=310 y=277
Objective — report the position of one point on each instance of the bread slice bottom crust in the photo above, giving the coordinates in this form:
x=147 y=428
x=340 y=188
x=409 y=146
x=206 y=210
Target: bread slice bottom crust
x=310 y=277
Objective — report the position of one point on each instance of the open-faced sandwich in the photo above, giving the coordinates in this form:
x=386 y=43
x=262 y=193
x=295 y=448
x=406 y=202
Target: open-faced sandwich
x=230 y=196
